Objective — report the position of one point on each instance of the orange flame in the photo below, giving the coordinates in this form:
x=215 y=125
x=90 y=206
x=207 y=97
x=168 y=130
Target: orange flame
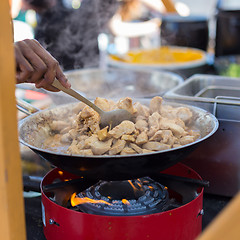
x=134 y=188
x=125 y=201
x=76 y=200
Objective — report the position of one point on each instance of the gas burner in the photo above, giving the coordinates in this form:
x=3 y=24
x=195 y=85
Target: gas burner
x=123 y=198
x=62 y=221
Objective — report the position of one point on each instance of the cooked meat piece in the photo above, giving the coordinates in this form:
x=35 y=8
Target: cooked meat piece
x=86 y=113
x=128 y=138
x=136 y=148
x=85 y=152
x=83 y=129
x=152 y=131
x=172 y=140
x=135 y=133
x=127 y=151
x=165 y=136
x=58 y=125
x=100 y=147
x=126 y=104
x=91 y=119
x=78 y=107
x=73 y=148
x=158 y=136
x=147 y=151
x=142 y=111
x=195 y=133
x=154 y=120
x=65 y=130
x=186 y=140
x=155 y=105
x=180 y=122
x=182 y=113
x=142 y=138
x=156 y=146
x=73 y=133
x=125 y=127
x=176 y=145
x=176 y=129
x=65 y=138
x=82 y=137
x=90 y=140
x=102 y=103
x=117 y=147
x=76 y=148
x=103 y=134
x=141 y=125
x=153 y=123
x=52 y=142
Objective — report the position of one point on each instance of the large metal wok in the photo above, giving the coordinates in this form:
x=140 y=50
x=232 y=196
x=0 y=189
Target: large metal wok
x=34 y=129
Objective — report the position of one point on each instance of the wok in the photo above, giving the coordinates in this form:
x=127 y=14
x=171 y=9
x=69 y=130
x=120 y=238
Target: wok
x=34 y=129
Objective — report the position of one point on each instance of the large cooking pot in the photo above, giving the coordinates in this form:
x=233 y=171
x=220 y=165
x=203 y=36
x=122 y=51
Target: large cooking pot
x=34 y=129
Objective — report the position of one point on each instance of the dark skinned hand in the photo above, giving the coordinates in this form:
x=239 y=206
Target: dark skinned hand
x=36 y=65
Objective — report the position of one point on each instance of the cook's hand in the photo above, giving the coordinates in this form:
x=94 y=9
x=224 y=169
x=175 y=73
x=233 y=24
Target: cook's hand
x=36 y=65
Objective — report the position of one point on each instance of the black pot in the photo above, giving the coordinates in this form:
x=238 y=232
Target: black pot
x=227 y=33
x=191 y=31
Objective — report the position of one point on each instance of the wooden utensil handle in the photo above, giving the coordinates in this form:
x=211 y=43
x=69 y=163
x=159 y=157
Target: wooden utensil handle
x=76 y=95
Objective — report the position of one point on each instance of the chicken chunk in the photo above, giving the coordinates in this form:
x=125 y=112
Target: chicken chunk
x=125 y=127
x=142 y=111
x=128 y=138
x=154 y=120
x=85 y=152
x=186 y=140
x=136 y=148
x=127 y=151
x=103 y=134
x=156 y=146
x=176 y=129
x=90 y=118
x=165 y=136
x=142 y=138
x=155 y=105
x=182 y=113
x=100 y=147
x=102 y=103
x=154 y=123
x=141 y=125
x=126 y=104
x=65 y=138
x=58 y=125
x=89 y=141
x=117 y=147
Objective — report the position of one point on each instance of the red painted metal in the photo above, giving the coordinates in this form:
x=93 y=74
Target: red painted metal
x=183 y=223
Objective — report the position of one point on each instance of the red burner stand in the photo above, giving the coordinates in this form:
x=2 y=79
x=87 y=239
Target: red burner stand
x=182 y=223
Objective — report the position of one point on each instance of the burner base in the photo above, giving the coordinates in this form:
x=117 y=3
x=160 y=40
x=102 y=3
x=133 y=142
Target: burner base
x=184 y=222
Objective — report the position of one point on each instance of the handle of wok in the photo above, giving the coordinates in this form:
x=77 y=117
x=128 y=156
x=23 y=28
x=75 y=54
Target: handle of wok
x=76 y=95
x=26 y=107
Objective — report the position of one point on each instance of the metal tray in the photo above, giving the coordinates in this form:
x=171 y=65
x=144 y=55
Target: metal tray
x=208 y=90
x=215 y=91
x=218 y=159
